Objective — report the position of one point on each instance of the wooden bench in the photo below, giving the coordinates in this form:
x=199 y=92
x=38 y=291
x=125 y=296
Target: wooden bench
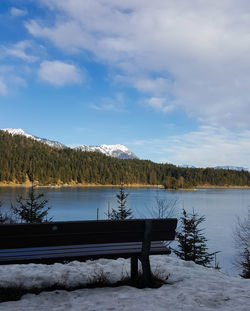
x=81 y=240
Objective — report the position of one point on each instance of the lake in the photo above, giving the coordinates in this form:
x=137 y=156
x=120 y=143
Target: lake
x=220 y=207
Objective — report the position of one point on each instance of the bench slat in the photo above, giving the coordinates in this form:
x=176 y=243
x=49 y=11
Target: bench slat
x=111 y=250
x=78 y=253
x=69 y=248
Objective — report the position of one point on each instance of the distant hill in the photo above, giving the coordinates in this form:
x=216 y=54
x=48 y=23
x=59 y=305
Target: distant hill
x=224 y=167
x=234 y=168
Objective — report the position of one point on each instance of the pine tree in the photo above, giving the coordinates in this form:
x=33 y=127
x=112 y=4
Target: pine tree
x=122 y=211
x=242 y=244
x=5 y=218
x=2 y=216
x=32 y=209
x=192 y=242
x=245 y=263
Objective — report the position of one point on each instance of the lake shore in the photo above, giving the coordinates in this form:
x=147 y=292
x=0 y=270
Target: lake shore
x=221 y=187
x=28 y=184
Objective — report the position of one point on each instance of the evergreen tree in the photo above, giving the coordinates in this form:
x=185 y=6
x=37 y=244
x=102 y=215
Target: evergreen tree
x=245 y=263
x=192 y=242
x=122 y=211
x=2 y=216
x=32 y=209
x=242 y=243
x=5 y=218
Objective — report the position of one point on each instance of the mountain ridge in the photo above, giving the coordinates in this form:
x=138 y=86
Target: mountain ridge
x=117 y=151
x=222 y=167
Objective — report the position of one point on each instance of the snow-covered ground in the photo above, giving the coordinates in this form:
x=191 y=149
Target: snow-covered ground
x=191 y=287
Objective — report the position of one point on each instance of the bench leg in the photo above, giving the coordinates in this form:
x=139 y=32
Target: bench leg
x=146 y=270
x=134 y=268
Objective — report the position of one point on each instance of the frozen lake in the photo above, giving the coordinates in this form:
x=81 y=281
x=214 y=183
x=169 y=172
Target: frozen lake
x=220 y=207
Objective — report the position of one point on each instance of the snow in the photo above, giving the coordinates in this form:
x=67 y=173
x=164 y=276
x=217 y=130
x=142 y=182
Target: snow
x=112 y=148
x=19 y=131
x=118 y=151
x=190 y=287
x=107 y=149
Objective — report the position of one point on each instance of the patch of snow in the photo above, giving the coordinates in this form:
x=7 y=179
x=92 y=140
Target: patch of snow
x=117 y=151
x=190 y=287
x=19 y=131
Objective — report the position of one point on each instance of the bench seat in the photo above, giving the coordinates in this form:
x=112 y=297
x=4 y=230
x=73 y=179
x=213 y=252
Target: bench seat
x=77 y=252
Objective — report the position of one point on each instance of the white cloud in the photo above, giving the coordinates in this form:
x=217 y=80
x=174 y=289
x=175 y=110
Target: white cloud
x=193 y=52
x=160 y=103
x=59 y=73
x=3 y=88
x=10 y=79
x=18 y=50
x=208 y=146
x=15 y=12
x=110 y=104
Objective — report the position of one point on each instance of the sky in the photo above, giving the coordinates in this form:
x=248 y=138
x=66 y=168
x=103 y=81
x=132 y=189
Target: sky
x=170 y=79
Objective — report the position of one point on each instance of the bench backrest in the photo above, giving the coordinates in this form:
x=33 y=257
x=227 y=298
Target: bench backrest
x=84 y=232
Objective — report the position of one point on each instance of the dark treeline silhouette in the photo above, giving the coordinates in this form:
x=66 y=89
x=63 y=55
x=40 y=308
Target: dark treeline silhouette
x=23 y=159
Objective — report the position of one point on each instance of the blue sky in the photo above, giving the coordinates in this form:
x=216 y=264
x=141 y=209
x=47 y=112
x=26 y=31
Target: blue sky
x=169 y=79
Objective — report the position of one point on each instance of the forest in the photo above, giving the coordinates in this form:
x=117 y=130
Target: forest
x=23 y=159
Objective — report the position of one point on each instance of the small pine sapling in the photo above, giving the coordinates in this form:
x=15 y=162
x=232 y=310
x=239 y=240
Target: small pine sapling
x=122 y=212
x=242 y=244
x=191 y=240
x=32 y=209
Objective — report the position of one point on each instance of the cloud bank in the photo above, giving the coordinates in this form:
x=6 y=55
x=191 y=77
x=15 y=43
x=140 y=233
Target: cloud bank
x=208 y=146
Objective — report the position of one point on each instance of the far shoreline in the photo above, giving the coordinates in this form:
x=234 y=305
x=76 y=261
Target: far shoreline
x=90 y=185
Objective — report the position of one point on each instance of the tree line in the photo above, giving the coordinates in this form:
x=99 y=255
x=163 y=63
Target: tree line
x=23 y=159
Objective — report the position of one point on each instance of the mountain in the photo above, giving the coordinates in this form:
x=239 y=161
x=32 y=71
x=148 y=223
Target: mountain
x=24 y=159
x=51 y=143
x=234 y=168
x=117 y=151
x=225 y=167
x=187 y=166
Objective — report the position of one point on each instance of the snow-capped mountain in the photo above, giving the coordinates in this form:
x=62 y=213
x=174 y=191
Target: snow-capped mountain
x=225 y=167
x=187 y=166
x=116 y=151
x=51 y=143
x=234 y=168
